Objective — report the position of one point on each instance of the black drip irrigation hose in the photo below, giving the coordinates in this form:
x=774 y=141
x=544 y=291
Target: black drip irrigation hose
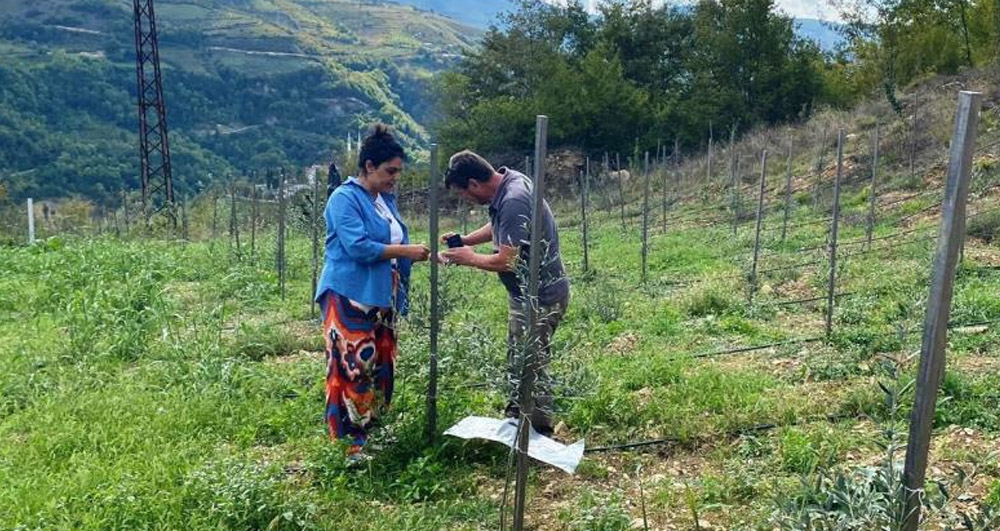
x=982 y=213
x=810 y=263
x=859 y=241
x=798 y=224
x=973 y=324
x=813 y=299
x=741 y=350
x=924 y=210
x=906 y=198
x=757 y=428
x=874 y=251
x=799 y=265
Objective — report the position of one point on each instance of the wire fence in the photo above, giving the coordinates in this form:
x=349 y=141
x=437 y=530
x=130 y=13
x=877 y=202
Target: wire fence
x=261 y=217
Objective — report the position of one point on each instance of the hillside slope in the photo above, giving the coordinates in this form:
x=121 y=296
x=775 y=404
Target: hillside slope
x=249 y=84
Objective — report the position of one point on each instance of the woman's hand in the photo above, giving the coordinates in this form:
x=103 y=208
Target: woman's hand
x=416 y=252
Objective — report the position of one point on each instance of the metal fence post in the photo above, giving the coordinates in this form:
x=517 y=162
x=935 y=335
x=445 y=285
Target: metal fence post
x=234 y=228
x=733 y=179
x=606 y=200
x=645 y=220
x=584 y=193
x=935 y=336
x=254 y=215
x=666 y=184
x=315 y=242
x=820 y=163
x=621 y=186
x=125 y=216
x=913 y=134
x=215 y=213
x=434 y=317
x=737 y=200
x=185 y=224
x=708 y=161
x=677 y=162
x=788 y=194
x=526 y=383
x=871 y=198
x=31 y=221
x=760 y=219
x=832 y=284
x=280 y=254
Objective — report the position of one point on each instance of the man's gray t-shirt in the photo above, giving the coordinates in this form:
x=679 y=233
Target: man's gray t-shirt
x=510 y=216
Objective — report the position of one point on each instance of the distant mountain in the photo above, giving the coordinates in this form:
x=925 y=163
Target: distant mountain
x=249 y=84
x=479 y=13
x=482 y=13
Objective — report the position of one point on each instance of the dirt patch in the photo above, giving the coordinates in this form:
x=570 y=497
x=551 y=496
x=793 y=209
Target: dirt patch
x=797 y=323
x=302 y=356
x=974 y=453
x=981 y=253
x=976 y=364
x=185 y=293
x=663 y=470
x=795 y=289
x=624 y=344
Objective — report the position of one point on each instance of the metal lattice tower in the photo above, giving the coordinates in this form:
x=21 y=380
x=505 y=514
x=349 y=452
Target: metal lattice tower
x=154 y=150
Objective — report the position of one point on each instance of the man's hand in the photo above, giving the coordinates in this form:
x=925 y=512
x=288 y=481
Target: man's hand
x=460 y=255
x=498 y=262
x=447 y=235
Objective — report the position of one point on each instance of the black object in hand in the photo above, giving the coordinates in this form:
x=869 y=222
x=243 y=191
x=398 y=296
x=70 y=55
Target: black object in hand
x=455 y=240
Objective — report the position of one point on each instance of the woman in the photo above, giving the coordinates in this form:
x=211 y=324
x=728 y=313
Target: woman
x=363 y=287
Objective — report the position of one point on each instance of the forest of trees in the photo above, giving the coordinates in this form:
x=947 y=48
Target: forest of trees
x=638 y=74
x=632 y=74
x=894 y=42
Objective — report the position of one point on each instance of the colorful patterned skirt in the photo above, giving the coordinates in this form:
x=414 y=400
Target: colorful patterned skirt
x=361 y=362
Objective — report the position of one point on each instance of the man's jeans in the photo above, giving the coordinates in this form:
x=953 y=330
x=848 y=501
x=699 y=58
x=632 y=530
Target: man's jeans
x=548 y=319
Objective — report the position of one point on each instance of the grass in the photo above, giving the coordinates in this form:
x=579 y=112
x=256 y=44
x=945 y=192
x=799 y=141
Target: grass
x=159 y=384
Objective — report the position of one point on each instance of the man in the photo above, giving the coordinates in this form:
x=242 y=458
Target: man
x=333 y=179
x=509 y=196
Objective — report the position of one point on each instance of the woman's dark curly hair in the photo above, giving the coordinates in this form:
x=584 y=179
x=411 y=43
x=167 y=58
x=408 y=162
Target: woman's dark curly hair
x=378 y=147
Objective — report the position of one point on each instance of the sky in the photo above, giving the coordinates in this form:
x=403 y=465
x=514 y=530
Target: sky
x=808 y=9
x=797 y=8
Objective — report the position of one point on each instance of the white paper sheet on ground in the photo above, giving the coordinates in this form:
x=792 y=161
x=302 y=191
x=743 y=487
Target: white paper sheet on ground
x=504 y=431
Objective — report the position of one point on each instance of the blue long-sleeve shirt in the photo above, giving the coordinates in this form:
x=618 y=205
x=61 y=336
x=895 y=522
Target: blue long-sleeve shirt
x=356 y=237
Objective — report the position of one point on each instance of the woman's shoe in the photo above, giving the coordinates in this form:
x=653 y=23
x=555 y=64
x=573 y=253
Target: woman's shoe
x=356 y=456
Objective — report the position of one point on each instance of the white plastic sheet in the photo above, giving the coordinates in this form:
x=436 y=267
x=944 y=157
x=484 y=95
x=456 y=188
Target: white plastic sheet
x=504 y=431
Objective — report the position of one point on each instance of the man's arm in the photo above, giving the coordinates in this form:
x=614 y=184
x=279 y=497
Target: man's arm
x=512 y=232
x=479 y=236
x=502 y=261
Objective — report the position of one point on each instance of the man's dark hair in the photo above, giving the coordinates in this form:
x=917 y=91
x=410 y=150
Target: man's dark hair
x=333 y=179
x=466 y=165
x=379 y=147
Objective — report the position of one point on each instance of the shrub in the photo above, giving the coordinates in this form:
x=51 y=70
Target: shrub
x=984 y=227
x=597 y=513
x=708 y=299
x=247 y=495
